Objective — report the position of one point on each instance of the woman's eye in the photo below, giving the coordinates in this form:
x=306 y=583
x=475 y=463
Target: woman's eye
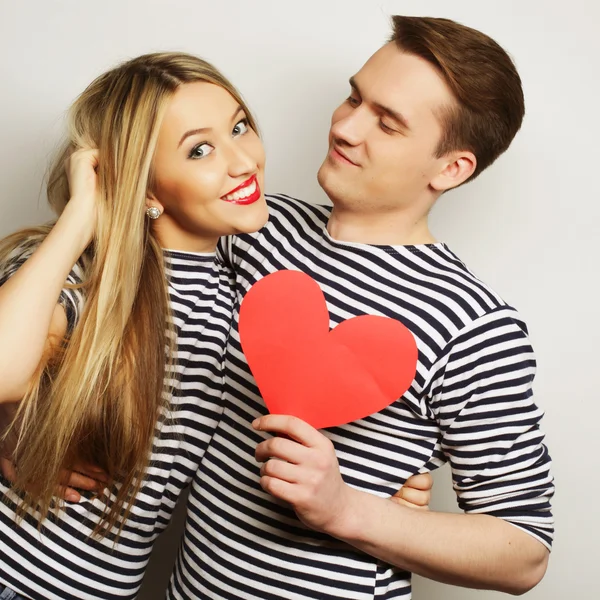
x=352 y=101
x=241 y=128
x=201 y=150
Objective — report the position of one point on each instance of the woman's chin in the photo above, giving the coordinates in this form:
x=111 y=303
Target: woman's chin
x=254 y=219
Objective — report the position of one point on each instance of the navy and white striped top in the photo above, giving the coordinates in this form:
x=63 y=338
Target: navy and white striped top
x=470 y=404
x=61 y=562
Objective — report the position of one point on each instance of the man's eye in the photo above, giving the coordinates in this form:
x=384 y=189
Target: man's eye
x=386 y=128
x=241 y=128
x=352 y=101
x=201 y=150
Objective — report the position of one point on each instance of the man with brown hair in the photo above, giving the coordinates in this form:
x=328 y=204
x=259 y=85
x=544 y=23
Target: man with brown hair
x=426 y=113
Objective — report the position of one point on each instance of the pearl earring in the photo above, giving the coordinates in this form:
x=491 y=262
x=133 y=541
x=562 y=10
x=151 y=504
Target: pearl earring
x=153 y=213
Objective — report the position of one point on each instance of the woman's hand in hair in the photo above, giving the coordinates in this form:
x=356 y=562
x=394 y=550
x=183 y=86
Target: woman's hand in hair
x=81 y=168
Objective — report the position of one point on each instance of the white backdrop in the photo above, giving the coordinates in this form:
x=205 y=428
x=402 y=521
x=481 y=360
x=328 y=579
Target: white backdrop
x=529 y=227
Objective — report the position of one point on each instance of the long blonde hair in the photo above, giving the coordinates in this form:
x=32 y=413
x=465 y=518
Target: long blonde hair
x=101 y=393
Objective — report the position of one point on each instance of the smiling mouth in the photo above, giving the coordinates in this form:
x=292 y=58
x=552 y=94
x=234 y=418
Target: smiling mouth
x=339 y=156
x=247 y=193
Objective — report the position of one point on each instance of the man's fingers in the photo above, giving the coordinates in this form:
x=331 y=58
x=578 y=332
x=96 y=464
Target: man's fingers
x=279 y=469
x=69 y=494
x=89 y=468
x=281 y=448
x=403 y=502
x=78 y=480
x=412 y=496
x=7 y=468
x=292 y=427
x=91 y=471
x=69 y=480
x=73 y=481
x=421 y=481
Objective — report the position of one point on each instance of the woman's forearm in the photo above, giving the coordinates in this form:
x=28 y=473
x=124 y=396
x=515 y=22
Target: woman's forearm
x=28 y=304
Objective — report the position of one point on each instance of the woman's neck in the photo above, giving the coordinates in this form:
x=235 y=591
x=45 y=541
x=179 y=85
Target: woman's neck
x=182 y=240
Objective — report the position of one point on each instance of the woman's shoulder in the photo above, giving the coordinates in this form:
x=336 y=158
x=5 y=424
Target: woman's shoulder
x=16 y=248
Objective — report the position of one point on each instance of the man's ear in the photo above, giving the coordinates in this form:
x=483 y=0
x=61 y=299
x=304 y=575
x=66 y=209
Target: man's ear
x=457 y=168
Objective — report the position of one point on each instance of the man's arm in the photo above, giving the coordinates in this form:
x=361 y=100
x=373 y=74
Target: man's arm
x=478 y=551
x=480 y=395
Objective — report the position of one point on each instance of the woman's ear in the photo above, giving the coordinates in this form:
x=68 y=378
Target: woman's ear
x=153 y=202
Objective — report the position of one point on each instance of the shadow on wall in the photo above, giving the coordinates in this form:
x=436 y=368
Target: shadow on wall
x=163 y=556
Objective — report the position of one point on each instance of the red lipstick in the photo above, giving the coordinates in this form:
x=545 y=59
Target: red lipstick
x=253 y=197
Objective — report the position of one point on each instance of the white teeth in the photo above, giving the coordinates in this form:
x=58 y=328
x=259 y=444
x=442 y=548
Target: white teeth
x=243 y=193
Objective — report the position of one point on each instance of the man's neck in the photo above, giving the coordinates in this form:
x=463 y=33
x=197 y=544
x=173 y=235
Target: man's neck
x=389 y=229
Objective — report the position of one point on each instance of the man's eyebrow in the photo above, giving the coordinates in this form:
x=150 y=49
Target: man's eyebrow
x=354 y=85
x=385 y=110
x=187 y=134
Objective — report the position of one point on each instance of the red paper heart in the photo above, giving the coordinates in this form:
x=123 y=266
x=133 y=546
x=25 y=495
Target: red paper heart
x=324 y=377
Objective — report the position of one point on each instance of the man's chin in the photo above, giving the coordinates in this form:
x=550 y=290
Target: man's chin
x=321 y=173
x=331 y=183
x=327 y=179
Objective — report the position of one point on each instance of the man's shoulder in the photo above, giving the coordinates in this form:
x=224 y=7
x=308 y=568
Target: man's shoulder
x=283 y=206
x=467 y=300
x=289 y=218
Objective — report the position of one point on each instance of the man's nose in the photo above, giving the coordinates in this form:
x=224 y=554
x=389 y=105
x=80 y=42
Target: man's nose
x=351 y=128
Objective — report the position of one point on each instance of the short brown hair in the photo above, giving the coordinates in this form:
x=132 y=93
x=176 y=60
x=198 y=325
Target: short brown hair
x=485 y=83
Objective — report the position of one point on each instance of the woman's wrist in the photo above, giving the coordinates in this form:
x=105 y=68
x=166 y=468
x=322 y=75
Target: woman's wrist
x=76 y=225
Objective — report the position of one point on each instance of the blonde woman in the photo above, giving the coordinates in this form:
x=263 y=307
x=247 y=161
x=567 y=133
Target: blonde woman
x=162 y=153
x=113 y=324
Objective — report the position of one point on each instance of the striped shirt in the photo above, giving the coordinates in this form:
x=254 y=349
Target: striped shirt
x=62 y=562
x=470 y=404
